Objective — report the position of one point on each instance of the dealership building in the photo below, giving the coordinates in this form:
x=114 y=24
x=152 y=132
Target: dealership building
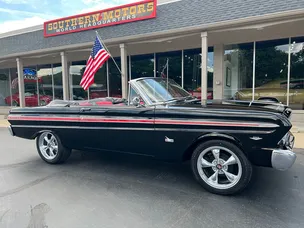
x=221 y=49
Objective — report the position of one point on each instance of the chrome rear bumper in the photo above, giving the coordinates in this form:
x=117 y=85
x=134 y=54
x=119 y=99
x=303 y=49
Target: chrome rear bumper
x=11 y=131
x=282 y=159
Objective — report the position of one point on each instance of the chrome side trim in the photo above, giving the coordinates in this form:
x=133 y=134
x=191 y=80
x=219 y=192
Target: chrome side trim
x=282 y=159
x=84 y=127
x=144 y=129
x=141 y=120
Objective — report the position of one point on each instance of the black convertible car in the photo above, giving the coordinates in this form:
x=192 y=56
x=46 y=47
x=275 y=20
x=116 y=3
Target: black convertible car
x=222 y=139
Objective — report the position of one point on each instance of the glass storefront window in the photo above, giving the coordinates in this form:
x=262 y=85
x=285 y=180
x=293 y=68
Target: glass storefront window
x=45 y=84
x=31 y=85
x=238 y=71
x=99 y=88
x=13 y=98
x=114 y=78
x=193 y=72
x=57 y=77
x=175 y=65
x=271 y=70
x=5 y=92
x=142 y=66
x=296 y=86
x=76 y=71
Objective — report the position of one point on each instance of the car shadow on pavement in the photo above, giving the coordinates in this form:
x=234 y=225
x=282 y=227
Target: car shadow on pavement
x=266 y=182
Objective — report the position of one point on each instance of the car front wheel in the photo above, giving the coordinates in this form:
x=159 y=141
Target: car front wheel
x=221 y=167
x=51 y=149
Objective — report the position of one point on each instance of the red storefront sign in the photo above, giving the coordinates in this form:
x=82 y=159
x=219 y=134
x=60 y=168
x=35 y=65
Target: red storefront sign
x=142 y=10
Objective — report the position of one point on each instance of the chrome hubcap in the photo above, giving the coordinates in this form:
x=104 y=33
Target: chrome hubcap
x=219 y=167
x=48 y=145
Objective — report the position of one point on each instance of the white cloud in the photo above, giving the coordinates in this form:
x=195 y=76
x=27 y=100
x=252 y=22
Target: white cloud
x=14 y=1
x=88 y=2
x=32 y=18
x=20 y=24
x=21 y=13
x=114 y=2
x=97 y=7
x=101 y=4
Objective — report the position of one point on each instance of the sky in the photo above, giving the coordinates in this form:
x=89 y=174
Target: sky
x=18 y=14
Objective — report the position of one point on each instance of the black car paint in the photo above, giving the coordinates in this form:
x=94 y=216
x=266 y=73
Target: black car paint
x=148 y=138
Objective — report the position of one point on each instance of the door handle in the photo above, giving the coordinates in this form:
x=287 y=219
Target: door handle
x=85 y=109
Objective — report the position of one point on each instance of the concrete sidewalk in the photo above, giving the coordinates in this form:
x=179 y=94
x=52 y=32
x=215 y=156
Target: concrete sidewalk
x=298 y=133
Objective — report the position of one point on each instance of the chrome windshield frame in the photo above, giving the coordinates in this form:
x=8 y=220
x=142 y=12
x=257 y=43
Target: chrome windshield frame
x=142 y=94
x=134 y=84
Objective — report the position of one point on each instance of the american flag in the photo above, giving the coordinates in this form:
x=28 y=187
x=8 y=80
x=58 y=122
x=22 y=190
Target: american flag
x=97 y=58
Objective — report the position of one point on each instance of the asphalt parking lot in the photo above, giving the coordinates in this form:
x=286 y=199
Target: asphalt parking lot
x=106 y=190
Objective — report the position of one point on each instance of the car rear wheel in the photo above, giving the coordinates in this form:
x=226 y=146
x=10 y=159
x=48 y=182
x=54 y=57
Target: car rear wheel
x=51 y=149
x=221 y=167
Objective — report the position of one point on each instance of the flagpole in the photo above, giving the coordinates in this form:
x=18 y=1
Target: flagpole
x=167 y=73
x=101 y=41
x=167 y=77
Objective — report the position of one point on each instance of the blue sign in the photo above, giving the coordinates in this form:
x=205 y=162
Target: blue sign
x=29 y=73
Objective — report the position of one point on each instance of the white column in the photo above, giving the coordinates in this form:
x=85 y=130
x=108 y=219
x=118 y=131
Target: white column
x=218 y=73
x=20 y=82
x=124 y=70
x=70 y=81
x=204 y=76
x=288 y=72
x=65 y=76
x=253 y=71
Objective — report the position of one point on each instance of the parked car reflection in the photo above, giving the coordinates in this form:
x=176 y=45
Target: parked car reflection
x=276 y=90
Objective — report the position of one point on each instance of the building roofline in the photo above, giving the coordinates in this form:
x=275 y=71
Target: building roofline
x=22 y=31
x=231 y=24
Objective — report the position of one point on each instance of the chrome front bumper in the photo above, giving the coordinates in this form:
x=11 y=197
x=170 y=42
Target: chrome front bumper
x=282 y=159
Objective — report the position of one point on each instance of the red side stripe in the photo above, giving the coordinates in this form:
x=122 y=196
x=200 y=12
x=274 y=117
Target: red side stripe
x=109 y=120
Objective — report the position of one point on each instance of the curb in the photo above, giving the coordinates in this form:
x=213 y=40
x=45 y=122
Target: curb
x=296 y=130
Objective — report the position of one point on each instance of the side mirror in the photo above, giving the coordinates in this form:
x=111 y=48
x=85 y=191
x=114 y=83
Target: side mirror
x=136 y=101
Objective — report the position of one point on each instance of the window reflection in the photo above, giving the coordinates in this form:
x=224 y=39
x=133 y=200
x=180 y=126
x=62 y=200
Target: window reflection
x=175 y=65
x=76 y=71
x=13 y=99
x=193 y=72
x=296 y=92
x=31 y=85
x=142 y=66
x=114 y=78
x=99 y=87
x=45 y=84
x=271 y=70
x=5 y=87
x=57 y=77
x=238 y=71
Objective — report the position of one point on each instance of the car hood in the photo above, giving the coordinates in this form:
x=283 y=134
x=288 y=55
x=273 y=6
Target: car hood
x=255 y=107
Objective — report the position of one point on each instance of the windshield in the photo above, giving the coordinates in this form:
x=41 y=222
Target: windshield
x=158 y=90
